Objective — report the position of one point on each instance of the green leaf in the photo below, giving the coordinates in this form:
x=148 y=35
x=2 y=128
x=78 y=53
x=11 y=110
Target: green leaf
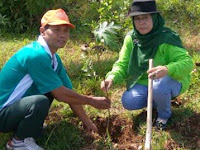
x=107 y=34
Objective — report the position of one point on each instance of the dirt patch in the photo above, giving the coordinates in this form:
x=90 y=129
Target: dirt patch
x=121 y=132
x=124 y=132
x=124 y=135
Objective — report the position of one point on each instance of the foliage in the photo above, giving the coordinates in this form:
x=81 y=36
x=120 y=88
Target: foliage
x=88 y=68
x=23 y=15
x=85 y=13
x=106 y=33
x=181 y=11
x=114 y=10
x=4 y=21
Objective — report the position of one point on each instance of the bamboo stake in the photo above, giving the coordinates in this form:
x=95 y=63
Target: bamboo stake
x=149 y=110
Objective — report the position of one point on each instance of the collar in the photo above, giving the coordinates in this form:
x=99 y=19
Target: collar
x=54 y=61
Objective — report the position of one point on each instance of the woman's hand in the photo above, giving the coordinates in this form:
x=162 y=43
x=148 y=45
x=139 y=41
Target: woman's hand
x=157 y=72
x=106 y=84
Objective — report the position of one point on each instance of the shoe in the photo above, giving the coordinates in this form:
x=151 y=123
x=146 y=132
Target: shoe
x=26 y=144
x=160 y=125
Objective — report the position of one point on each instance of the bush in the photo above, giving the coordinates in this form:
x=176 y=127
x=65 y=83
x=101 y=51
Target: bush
x=22 y=15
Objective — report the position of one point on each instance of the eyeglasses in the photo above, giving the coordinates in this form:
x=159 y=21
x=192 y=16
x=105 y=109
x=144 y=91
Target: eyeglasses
x=142 y=18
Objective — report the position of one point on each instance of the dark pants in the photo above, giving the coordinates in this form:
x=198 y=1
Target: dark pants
x=26 y=117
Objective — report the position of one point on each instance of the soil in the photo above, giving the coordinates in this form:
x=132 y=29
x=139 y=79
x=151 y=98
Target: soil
x=120 y=131
x=124 y=135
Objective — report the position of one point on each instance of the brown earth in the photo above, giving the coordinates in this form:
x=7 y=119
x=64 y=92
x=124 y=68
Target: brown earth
x=120 y=131
x=124 y=135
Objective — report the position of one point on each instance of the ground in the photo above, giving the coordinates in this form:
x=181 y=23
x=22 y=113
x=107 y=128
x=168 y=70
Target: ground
x=123 y=133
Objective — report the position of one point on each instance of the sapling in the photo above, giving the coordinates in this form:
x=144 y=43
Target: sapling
x=106 y=35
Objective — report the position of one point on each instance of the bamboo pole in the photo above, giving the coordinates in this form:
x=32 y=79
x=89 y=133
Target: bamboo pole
x=149 y=110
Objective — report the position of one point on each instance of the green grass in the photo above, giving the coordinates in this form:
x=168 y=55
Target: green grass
x=65 y=131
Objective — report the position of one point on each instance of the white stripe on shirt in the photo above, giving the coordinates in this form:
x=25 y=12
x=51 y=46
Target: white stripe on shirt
x=19 y=90
x=27 y=81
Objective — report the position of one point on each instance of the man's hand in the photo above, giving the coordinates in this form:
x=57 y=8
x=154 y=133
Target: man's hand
x=100 y=102
x=91 y=127
x=157 y=72
x=106 y=84
x=80 y=112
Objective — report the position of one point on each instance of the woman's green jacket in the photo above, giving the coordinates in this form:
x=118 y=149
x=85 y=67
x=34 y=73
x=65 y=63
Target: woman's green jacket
x=176 y=59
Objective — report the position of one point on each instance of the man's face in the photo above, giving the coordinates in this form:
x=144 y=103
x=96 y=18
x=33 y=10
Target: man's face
x=56 y=36
x=143 y=23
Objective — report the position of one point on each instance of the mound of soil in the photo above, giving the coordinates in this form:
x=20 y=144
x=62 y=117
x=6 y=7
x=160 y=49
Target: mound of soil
x=120 y=131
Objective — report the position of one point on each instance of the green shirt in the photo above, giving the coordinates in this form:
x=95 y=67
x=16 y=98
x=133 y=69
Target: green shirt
x=31 y=71
x=177 y=60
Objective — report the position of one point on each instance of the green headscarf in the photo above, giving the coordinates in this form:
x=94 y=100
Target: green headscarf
x=145 y=47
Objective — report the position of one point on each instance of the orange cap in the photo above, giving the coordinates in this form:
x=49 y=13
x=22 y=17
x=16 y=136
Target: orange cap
x=56 y=17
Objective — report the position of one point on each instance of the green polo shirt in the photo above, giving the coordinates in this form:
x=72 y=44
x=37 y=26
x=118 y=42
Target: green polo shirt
x=30 y=72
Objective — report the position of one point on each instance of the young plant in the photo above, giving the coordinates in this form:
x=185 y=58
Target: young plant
x=105 y=33
x=106 y=36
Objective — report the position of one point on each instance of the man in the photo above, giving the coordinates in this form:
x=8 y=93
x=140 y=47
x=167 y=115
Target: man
x=32 y=78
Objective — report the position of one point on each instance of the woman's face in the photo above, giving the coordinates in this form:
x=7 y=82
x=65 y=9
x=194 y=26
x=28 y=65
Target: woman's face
x=143 y=23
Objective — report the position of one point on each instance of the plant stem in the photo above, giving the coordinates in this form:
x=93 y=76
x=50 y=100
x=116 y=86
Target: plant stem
x=108 y=121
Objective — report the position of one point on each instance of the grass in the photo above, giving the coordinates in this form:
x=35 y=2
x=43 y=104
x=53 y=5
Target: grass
x=65 y=131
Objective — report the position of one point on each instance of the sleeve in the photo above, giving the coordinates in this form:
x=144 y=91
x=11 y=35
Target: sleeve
x=63 y=75
x=120 y=67
x=43 y=76
x=180 y=63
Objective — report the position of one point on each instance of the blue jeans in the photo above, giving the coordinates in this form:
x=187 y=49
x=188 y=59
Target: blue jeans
x=164 y=89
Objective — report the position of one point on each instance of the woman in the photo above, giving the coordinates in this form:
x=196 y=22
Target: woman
x=172 y=64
